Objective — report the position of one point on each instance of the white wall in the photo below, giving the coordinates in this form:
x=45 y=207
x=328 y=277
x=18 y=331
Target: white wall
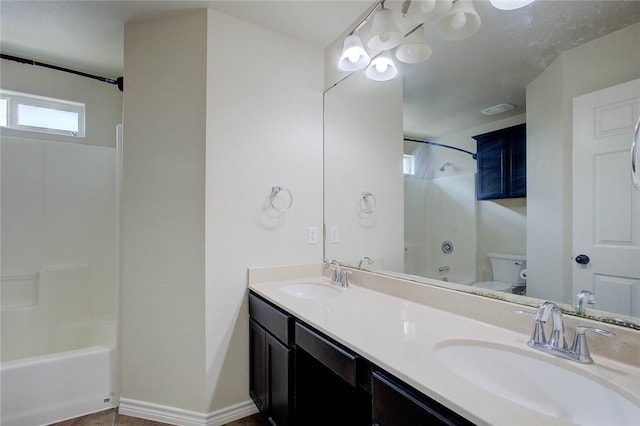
x=217 y=111
x=264 y=129
x=601 y=63
x=363 y=152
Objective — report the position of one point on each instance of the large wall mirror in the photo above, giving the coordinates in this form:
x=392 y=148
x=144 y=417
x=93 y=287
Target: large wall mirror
x=398 y=206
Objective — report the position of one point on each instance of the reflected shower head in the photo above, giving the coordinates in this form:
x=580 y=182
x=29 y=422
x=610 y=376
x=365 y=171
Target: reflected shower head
x=445 y=166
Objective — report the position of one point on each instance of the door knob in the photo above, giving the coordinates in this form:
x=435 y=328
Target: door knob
x=582 y=259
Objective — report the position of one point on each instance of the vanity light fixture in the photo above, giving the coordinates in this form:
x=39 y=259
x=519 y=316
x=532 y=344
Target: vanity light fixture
x=415 y=48
x=385 y=34
x=382 y=68
x=353 y=57
x=454 y=20
x=461 y=22
x=421 y=11
x=510 y=4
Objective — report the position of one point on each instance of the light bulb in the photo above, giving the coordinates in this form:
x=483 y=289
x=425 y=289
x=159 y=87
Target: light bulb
x=427 y=6
x=384 y=37
x=458 y=21
x=381 y=66
x=353 y=56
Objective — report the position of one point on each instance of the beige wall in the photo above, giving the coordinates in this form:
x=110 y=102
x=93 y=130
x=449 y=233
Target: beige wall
x=217 y=112
x=601 y=63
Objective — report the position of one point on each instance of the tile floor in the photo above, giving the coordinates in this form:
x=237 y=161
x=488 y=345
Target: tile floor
x=112 y=418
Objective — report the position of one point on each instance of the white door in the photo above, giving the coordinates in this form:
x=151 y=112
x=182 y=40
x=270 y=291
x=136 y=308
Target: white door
x=606 y=208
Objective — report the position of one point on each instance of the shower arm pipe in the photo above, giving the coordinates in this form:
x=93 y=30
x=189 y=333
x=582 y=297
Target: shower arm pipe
x=118 y=81
x=472 y=154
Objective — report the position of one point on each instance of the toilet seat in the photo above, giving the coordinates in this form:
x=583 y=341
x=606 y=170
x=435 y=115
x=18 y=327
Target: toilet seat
x=494 y=285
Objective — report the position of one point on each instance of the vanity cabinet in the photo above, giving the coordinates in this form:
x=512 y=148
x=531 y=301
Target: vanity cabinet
x=397 y=404
x=300 y=376
x=271 y=360
x=331 y=383
x=501 y=156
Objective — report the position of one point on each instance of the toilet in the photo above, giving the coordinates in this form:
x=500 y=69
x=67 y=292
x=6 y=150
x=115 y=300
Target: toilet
x=507 y=276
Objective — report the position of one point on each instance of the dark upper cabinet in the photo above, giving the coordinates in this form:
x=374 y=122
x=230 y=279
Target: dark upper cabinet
x=502 y=161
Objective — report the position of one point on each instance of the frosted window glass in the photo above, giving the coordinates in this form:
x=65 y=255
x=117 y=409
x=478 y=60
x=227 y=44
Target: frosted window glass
x=3 y=112
x=409 y=164
x=47 y=118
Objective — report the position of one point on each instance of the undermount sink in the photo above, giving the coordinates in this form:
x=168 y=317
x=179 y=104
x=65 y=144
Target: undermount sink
x=310 y=290
x=539 y=385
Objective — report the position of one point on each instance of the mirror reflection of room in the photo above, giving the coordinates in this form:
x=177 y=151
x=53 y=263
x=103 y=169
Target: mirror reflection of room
x=520 y=68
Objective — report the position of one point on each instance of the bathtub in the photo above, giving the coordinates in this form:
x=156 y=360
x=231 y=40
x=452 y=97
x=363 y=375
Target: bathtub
x=57 y=358
x=49 y=388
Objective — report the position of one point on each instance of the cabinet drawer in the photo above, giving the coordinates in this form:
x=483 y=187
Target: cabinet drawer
x=337 y=359
x=397 y=404
x=276 y=321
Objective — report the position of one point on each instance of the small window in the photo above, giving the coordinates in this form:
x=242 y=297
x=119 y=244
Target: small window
x=39 y=114
x=3 y=111
x=409 y=164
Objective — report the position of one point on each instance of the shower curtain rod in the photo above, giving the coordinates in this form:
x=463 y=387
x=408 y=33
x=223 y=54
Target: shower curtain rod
x=472 y=154
x=118 y=82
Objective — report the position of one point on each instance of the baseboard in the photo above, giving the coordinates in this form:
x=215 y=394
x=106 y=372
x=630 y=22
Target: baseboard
x=178 y=416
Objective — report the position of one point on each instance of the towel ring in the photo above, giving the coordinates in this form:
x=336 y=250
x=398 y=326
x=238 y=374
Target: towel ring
x=368 y=202
x=274 y=193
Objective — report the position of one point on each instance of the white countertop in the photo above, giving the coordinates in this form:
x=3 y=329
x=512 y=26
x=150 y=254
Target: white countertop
x=400 y=336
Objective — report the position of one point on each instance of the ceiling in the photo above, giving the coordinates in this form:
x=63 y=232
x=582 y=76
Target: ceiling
x=495 y=65
x=88 y=35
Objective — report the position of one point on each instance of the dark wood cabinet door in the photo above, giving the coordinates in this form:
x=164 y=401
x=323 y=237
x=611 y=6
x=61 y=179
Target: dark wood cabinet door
x=518 y=163
x=279 y=381
x=257 y=365
x=394 y=404
x=502 y=164
x=492 y=163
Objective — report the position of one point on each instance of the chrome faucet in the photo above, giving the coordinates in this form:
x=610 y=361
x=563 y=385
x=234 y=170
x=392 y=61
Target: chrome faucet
x=365 y=259
x=557 y=339
x=339 y=277
x=584 y=295
x=557 y=345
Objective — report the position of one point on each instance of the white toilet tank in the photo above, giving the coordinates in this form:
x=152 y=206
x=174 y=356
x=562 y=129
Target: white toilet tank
x=506 y=267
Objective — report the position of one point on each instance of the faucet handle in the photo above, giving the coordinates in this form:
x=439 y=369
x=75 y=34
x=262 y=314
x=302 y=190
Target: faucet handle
x=343 y=279
x=537 y=336
x=581 y=329
x=580 y=348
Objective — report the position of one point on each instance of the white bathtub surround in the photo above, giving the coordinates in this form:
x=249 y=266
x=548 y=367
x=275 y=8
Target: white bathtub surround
x=59 y=251
x=58 y=358
x=398 y=324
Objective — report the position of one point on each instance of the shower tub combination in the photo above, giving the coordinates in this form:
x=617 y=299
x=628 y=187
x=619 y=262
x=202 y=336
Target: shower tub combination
x=58 y=360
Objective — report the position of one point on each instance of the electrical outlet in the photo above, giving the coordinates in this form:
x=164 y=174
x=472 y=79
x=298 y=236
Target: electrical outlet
x=312 y=235
x=334 y=234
